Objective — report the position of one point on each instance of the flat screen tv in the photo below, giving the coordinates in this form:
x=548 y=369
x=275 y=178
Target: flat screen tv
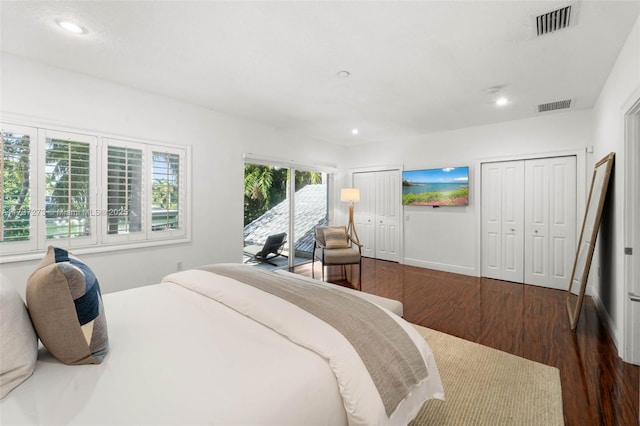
x=436 y=187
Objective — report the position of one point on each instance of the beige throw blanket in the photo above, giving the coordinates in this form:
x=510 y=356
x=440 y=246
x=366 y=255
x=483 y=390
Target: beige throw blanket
x=392 y=359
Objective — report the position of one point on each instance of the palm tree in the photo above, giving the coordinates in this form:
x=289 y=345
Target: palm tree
x=266 y=186
x=257 y=183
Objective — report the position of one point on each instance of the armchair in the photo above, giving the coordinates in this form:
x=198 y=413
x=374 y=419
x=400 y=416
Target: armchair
x=334 y=246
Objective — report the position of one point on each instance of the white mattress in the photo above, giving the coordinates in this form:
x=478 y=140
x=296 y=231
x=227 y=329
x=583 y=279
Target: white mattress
x=155 y=373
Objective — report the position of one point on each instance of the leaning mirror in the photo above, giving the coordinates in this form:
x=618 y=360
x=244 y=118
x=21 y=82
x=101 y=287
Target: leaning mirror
x=587 y=240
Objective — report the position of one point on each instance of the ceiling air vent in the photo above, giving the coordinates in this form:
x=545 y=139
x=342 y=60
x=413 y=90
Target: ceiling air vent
x=552 y=106
x=554 y=20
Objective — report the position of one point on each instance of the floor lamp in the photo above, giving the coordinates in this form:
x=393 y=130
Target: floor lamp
x=351 y=195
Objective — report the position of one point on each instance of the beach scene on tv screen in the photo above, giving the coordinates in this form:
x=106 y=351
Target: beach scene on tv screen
x=436 y=187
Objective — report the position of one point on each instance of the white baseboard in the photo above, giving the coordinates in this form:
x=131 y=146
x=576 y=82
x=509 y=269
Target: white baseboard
x=456 y=269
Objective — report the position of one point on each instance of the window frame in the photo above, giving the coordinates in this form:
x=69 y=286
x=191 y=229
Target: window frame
x=67 y=243
x=99 y=240
x=182 y=211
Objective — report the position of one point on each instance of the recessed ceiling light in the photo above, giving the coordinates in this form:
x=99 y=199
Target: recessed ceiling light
x=343 y=74
x=355 y=131
x=502 y=101
x=72 y=27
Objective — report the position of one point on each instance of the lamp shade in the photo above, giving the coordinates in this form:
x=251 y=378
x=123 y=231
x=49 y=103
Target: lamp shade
x=350 y=194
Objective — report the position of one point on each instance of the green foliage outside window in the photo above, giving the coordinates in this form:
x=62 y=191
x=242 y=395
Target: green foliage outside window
x=165 y=194
x=15 y=194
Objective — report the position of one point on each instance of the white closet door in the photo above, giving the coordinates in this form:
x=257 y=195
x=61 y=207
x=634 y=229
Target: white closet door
x=492 y=220
x=537 y=222
x=364 y=212
x=529 y=221
x=512 y=222
x=387 y=215
x=550 y=221
x=502 y=220
x=377 y=215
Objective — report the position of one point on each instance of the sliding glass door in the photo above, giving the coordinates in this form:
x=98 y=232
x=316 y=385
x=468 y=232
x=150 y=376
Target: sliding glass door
x=310 y=209
x=282 y=200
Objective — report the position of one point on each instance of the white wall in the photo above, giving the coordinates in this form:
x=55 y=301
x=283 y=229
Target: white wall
x=447 y=238
x=52 y=96
x=621 y=90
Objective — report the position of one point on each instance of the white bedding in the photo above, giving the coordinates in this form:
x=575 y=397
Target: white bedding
x=177 y=357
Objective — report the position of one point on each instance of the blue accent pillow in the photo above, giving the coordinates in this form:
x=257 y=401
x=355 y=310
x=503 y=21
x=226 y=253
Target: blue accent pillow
x=65 y=305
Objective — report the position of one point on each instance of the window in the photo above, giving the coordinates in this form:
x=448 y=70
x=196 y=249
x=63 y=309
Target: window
x=125 y=216
x=165 y=192
x=15 y=187
x=69 y=189
x=56 y=189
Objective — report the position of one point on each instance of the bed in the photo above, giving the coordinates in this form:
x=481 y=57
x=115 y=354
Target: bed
x=211 y=346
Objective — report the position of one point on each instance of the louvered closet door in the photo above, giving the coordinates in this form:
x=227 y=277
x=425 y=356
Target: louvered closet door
x=550 y=221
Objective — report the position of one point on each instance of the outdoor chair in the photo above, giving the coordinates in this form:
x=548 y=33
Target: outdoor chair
x=271 y=249
x=334 y=246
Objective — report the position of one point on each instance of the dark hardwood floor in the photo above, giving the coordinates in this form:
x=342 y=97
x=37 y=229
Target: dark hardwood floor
x=598 y=388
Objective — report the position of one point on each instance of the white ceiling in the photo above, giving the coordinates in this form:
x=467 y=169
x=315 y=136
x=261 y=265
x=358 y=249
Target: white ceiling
x=415 y=67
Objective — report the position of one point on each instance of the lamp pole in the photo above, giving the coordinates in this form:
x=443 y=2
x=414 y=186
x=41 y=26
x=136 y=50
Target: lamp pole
x=352 y=227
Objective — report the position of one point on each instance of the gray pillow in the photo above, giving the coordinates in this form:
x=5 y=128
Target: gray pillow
x=65 y=304
x=18 y=341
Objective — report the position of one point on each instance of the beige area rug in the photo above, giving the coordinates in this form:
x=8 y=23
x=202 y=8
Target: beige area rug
x=485 y=386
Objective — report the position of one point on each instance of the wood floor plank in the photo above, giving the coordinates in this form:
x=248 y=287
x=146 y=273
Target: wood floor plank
x=598 y=388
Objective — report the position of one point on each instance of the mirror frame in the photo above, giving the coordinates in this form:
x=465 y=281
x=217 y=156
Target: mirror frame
x=587 y=243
